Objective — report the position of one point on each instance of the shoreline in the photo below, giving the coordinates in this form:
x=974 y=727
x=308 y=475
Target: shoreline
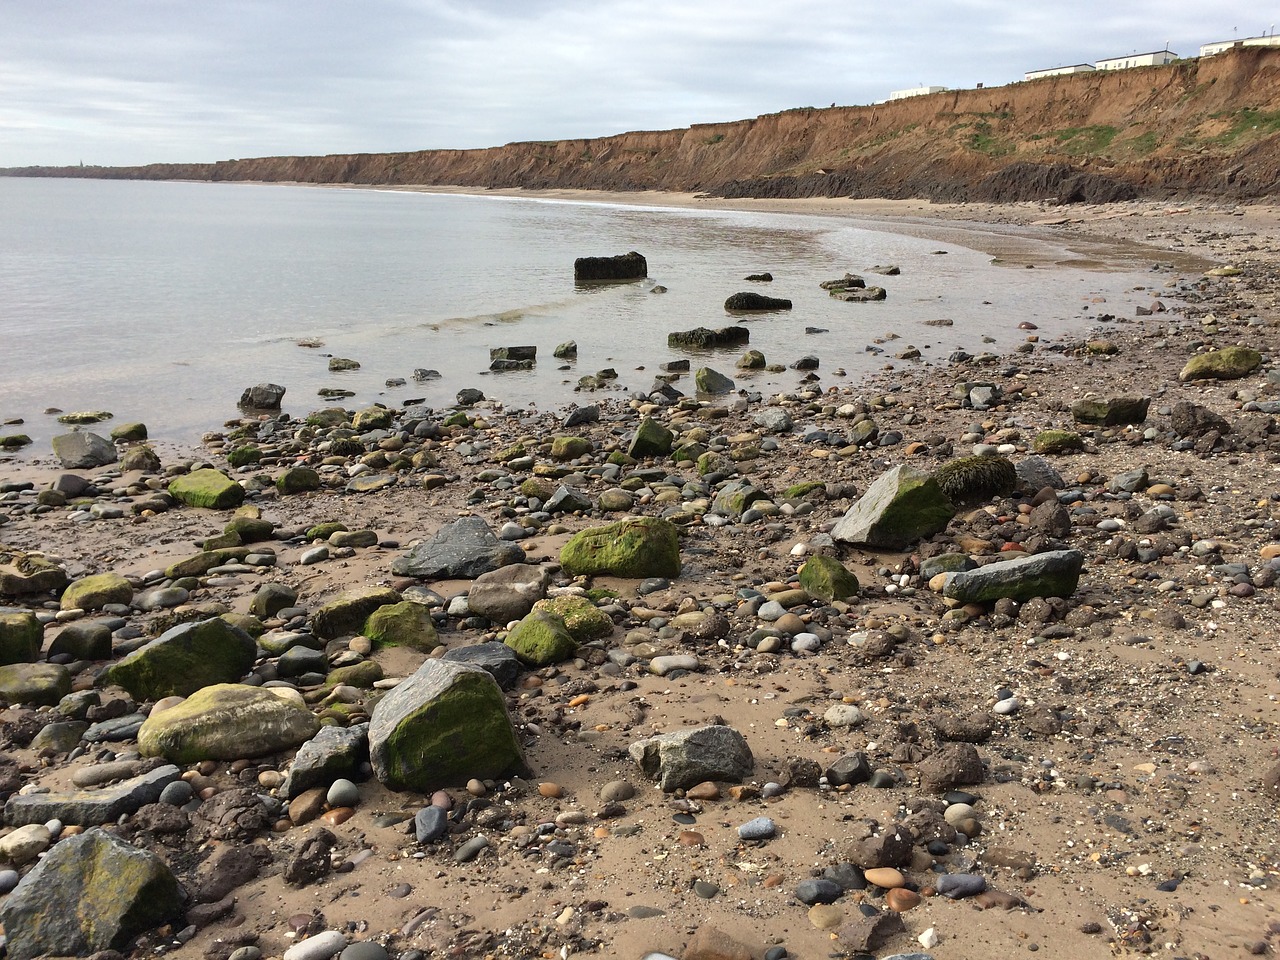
x=1119 y=804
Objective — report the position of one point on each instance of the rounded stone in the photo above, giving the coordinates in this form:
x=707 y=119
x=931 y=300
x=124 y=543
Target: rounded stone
x=900 y=899
x=8 y=880
x=364 y=950
x=343 y=793
x=760 y=828
x=885 y=877
x=320 y=947
x=617 y=790
x=176 y=793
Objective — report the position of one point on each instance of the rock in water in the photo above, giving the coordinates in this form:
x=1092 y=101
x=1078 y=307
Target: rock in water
x=628 y=266
x=681 y=760
x=182 y=660
x=1052 y=574
x=90 y=892
x=902 y=506
x=207 y=488
x=704 y=338
x=262 y=396
x=712 y=381
x=83 y=451
x=635 y=548
x=971 y=479
x=749 y=301
x=226 y=721
x=463 y=549
x=444 y=725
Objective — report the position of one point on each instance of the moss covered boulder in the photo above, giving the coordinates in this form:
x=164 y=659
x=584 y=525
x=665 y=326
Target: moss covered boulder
x=638 y=547
x=652 y=439
x=95 y=592
x=582 y=618
x=569 y=448
x=250 y=529
x=39 y=684
x=828 y=579
x=129 y=432
x=971 y=479
x=541 y=639
x=403 y=624
x=20 y=637
x=903 y=505
x=1057 y=441
x=226 y=721
x=1229 y=363
x=347 y=614
x=207 y=488
x=1111 y=412
x=298 y=480
x=182 y=660
x=440 y=727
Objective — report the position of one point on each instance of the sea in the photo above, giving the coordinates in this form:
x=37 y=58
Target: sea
x=161 y=302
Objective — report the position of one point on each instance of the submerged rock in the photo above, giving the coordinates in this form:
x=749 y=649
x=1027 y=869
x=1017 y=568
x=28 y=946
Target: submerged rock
x=749 y=301
x=627 y=266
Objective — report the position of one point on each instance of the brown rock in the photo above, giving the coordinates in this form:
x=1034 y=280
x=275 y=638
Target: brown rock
x=707 y=790
x=901 y=899
x=954 y=765
x=888 y=848
x=865 y=934
x=975 y=727
x=228 y=867
x=712 y=944
x=885 y=877
x=307 y=805
x=312 y=860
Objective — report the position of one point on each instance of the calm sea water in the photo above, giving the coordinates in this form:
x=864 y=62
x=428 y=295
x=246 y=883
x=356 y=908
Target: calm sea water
x=161 y=302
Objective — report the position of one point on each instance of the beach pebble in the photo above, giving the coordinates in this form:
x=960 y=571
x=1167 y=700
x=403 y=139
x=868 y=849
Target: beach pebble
x=1007 y=706
x=8 y=880
x=885 y=877
x=176 y=793
x=320 y=947
x=842 y=715
x=471 y=849
x=661 y=666
x=617 y=790
x=365 y=950
x=313 y=556
x=343 y=793
x=956 y=886
x=761 y=828
x=818 y=890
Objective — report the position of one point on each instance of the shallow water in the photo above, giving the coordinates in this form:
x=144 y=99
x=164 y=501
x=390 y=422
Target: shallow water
x=161 y=302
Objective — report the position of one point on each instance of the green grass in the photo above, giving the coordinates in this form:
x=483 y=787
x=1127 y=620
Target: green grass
x=982 y=140
x=714 y=138
x=1143 y=144
x=1079 y=141
x=1250 y=123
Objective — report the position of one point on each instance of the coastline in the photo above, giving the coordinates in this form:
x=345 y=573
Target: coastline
x=1142 y=771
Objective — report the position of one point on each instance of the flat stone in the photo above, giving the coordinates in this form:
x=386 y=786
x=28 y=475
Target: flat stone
x=91 y=807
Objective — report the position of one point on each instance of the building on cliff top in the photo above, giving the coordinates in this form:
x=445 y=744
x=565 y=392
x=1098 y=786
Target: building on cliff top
x=1059 y=71
x=1218 y=46
x=914 y=92
x=1156 y=59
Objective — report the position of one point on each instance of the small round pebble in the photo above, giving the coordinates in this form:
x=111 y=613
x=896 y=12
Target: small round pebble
x=761 y=828
x=320 y=947
x=246 y=953
x=365 y=950
x=343 y=793
x=176 y=793
x=8 y=880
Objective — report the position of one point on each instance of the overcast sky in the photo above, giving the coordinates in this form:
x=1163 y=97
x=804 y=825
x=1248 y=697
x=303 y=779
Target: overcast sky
x=137 y=81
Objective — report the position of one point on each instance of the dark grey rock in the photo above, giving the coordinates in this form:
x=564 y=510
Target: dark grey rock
x=956 y=886
x=1052 y=574
x=499 y=660
x=262 y=396
x=91 y=807
x=332 y=753
x=82 y=450
x=463 y=549
x=431 y=824
x=818 y=890
x=688 y=757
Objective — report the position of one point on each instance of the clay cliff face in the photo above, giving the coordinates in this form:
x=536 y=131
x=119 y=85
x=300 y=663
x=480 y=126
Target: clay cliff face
x=1206 y=127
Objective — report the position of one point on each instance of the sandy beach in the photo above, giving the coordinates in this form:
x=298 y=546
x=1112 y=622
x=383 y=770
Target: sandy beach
x=1127 y=800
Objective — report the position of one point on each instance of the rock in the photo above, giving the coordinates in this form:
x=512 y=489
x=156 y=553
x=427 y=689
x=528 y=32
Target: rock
x=1192 y=420
x=711 y=381
x=464 y=549
x=262 y=396
x=91 y=807
x=82 y=450
x=443 y=725
x=579 y=416
x=202 y=563
x=298 y=480
x=271 y=598
x=39 y=684
x=431 y=824
x=509 y=592
x=497 y=659
x=312 y=860
x=973 y=479
x=651 y=439
x=95 y=592
x=635 y=548
x=229 y=866
x=141 y=458
x=758 y=828
x=818 y=890
x=403 y=624
x=541 y=639
x=852 y=768
x=954 y=764
x=827 y=579
x=1036 y=473
x=1052 y=574
x=583 y=619
x=859 y=294
x=90 y=892
x=566 y=351
x=751 y=360
x=129 y=432
x=711 y=943
x=900 y=507
x=23 y=573
x=750 y=302
x=517 y=355
x=338 y=364
x=21 y=637
x=627 y=266
x=320 y=947
x=1229 y=363
x=956 y=886
x=25 y=844
x=226 y=721
x=183 y=659
x=735 y=497
x=869 y=932
x=681 y=760
x=332 y=753
x=207 y=488
x=704 y=338
x=569 y=448
x=1112 y=412
x=349 y=613
x=1057 y=441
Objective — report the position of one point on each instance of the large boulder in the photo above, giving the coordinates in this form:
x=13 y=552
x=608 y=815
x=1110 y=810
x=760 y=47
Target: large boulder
x=827 y=579
x=1052 y=574
x=627 y=266
x=651 y=439
x=20 y=637
x=681 y=760
x=226 y=721
x=39 y=684
x=403 y=624
x=541 y=639
x=748 y=301
x=464 y=549
x=509 y=592
x=348 y=614
x=262 y=396
x=82 y=450
x=207 y=488
x=182 y=660
x=442 y=726
x=23 y=573
x=638 y=547
x=91 y=892
x=705 y=338
x=1229 y=363
x=96 y=591
x=901 y=506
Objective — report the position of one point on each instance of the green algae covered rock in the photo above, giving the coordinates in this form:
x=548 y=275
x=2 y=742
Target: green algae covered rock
x=226 y=721
x=183 y=660
x=1057 y=441
x=348 y=613
x=95 y=592
x=372 y=418
x=1055 y=573
x=89 y=893
x=541 y=639
x=569 y=448
x=20 y=637
x=970 y=479
x=207 y=488
x=442 y=726
x=22 y=573
x=201 y=563
x=652 y=439
x=638 y=547
x=1229 y=363
x=403 y=624
x=582 y=618
x=903 y=505
x=40 y=684
x=828 y=579
x=298 y=480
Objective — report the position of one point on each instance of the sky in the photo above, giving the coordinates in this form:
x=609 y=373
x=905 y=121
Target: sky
x=121 y=82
